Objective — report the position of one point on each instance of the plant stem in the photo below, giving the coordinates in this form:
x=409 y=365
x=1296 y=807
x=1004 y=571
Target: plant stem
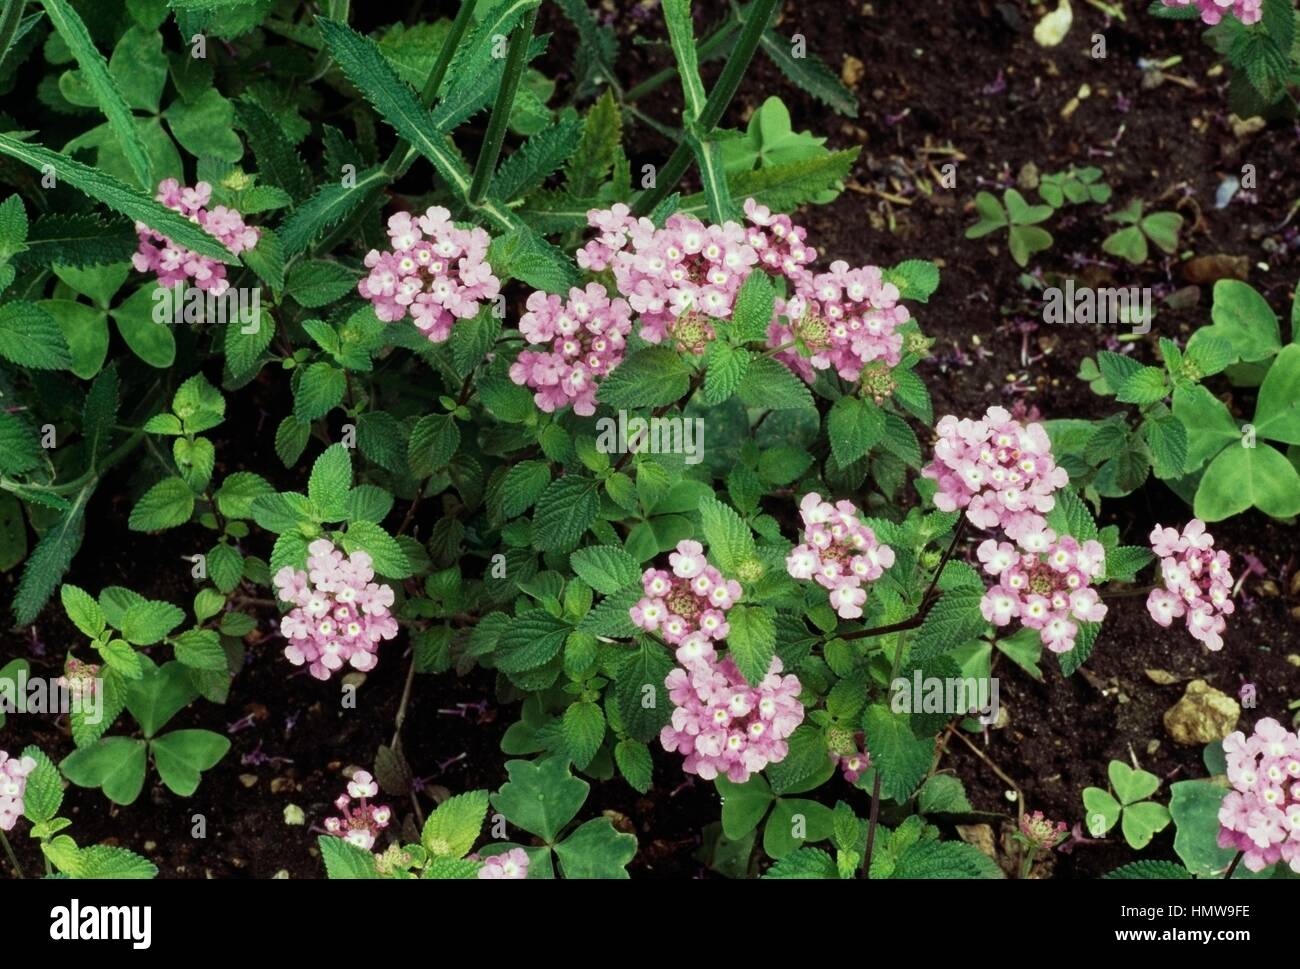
x=874 y=817
x=516 y=57
x=13 y=859
x=760 y=14
x=707 y=47
x=1233 y=867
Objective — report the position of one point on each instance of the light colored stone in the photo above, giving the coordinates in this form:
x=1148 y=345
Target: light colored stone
x=1202 y=716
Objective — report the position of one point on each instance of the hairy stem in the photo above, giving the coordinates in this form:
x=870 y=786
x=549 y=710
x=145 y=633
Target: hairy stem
x=13 y=859
x=751 y=33
x=516 y=58
x=874 y=818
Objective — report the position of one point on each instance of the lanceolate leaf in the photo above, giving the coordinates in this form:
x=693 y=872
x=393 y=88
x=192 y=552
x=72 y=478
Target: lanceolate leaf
x=103 y=187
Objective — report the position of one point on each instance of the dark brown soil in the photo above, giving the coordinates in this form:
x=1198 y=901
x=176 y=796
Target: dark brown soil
x=966 y=76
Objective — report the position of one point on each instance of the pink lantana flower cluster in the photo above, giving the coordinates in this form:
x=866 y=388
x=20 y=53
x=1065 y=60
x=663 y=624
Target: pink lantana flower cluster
x=587 y=334
x=512 y=864
x=846 y=318
x=1197 y=582
x=677 y=278
x=839 y=553
x=1045 y=583
x=435 y=271
x=339 y=614
x=174 y=263
x=724 y=726
x=999 y=470
x=1212 y=11
x=13 y=784
x=1261 y=814
x=359 y=825
x=687 y=606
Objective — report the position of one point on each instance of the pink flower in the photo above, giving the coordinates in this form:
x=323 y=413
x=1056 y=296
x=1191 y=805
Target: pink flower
x=1046 y=585
x=339 y=615
x=587 y=334
x=999 y=470
x=1212 y=11
x=688 y=606
x=172 y=262
x=839 y=553
x=1197 y=582
x=724 y=726
x=435 y=271
x=1261 y=815
x=512 y=864
x=13 y=784
x=678 y=278
x=843 y=320
x=359 y=825
x=1041 y=832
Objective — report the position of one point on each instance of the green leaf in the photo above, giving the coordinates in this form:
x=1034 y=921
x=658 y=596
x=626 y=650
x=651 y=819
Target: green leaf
x=1209 y=424
x=167 y=504
x=94 y=73
x=810 y=74
x=726 y=366
x=730 y=540
x=277 y=161
x=743 y=805
x=806 y=863
x=151 y=342
x=116 y=764
x=1147 y=870
x=319 y=282
x=639 y=690
x=1070 y=516
x=200 y=649
x=344 y=860
x=954 y=620
x=1146 y=386
x=854 y=427
x=932 y=859
x=806 y=766
x=331 y=203
x=790 y=815
x=1142 y=822
x=648 y=378
x=132 y=203
x=606 y=568
x=113 y=861
x=771 y=385
x=1131 y=785
x=50 y=559
x=1277 y=414
x=1025 y=240
x=916 y=279
x=30 y=337
x=149 y=621
x=1167 y=438
x=1194 y=807
x=584 y=731
x=330 y=482
x=565 y=511
x=1103 y=811
x=384 y=550
x=530 y=641
x=751 y=641
x=540 y=156
x=320 y=389
x=541 y=797
x=901 y=758
x=596 y=850
x=1243 y=317
x=1245 y=477
x=434 y=440
x=83 y=610
x=634 y=763
x=785 y=187
x=183 y=755
x=454 y=826
x=159 y=695
x=19 y=450
x=43 y=794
